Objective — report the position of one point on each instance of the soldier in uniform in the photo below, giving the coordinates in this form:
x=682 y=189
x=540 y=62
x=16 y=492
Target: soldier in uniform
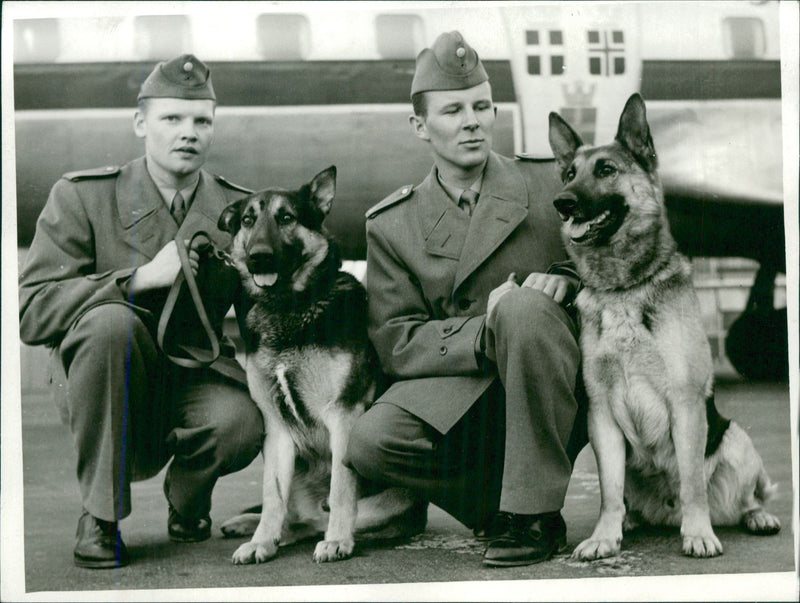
x=468 y=293
x=93 y=286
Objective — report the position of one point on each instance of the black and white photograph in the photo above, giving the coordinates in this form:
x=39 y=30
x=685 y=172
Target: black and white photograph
x=402 y=301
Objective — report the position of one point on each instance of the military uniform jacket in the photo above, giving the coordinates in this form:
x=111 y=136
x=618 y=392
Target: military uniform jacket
x=430 y=269
x=96 y=228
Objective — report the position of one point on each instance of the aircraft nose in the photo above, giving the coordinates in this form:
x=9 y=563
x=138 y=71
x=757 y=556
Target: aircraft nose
x=566 y=203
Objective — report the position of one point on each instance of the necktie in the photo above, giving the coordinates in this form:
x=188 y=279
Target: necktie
x=178 y=208
x=468 y=200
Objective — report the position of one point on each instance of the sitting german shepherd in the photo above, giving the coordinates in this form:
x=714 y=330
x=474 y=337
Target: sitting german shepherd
x=312 y=372
x=653 y=425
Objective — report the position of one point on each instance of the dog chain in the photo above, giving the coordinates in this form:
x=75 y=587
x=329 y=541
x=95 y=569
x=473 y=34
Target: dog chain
x=222 y=255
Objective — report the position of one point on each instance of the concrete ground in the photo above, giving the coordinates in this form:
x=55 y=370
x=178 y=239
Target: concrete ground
x=443 y=556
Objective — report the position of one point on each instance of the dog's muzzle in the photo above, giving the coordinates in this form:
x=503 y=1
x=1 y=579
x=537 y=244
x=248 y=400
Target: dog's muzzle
x=262 y=264
x=566 y=203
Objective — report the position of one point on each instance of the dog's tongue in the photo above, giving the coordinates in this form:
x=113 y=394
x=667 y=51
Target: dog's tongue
x=578 y=230
x=265 y=280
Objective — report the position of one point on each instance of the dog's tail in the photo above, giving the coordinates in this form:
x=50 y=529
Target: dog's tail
x=765 y=489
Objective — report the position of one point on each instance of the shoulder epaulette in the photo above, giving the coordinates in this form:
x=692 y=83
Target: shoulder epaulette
x=228 y=184
x=102 y=172
x=535 y=158
x=401 y=194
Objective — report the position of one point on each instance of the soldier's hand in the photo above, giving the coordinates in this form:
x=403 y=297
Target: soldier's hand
x=556 y=286
x=162 y=269
x=498 y=292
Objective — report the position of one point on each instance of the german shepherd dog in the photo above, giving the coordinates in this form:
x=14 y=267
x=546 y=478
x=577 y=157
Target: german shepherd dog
x=660 y=444
x=312 y=373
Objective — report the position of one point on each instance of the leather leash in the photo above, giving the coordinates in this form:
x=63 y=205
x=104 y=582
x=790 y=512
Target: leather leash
x=197 y=357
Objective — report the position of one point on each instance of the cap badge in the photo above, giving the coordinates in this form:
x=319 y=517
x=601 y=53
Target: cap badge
x=449 y=64
x=187 y=66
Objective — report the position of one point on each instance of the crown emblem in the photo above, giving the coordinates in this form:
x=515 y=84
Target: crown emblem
x=579 y=95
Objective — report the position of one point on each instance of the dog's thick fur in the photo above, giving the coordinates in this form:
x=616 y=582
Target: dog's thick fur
x=661 y=446
x=312 y=372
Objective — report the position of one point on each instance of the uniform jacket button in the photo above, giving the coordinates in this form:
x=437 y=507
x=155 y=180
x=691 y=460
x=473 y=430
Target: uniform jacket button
x=448 y=329
x=443 y=350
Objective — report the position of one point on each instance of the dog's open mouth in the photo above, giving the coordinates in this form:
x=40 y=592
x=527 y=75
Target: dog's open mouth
x=580 y=232
x=265 y=280
x=263 y=267
x=583 y=229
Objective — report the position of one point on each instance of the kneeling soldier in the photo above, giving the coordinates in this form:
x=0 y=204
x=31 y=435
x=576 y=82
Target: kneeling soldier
x=93 y=286
x=480 y=417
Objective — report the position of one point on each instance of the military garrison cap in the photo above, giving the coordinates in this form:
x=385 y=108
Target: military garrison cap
x=184 y=77
x=450 y=64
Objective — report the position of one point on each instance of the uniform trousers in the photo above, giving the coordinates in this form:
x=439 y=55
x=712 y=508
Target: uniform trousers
x=514 y=449
x=131 y=410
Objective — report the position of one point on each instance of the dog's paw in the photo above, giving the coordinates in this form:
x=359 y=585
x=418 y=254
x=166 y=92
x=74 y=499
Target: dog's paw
x=699 y=539
x=702 y=545
x=241 y=525
x=255 y=552
x=333 y=550
x=596 y=548
x=758 y=521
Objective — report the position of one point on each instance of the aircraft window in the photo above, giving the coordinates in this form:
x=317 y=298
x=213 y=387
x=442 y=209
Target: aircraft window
x=555 y=38
x=162 y=36
x=283 y=37
x=399 y=36
x=36 y=40
x=744 y=37
x=606 y=52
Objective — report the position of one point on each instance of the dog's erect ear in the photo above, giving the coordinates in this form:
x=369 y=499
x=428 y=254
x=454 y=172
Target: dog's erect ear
x=229 y=218
x=323 y=189
x=564 y=141
x=634 y=134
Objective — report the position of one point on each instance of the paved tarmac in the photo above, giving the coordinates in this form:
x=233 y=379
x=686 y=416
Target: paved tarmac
x=433 y=564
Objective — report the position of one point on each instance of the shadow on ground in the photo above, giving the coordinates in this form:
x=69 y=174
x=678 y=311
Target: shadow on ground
x=445 y=552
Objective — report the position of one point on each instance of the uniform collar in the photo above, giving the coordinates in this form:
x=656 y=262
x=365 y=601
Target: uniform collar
x=503 y=206
x=502 y=182
x=497 y=182
x=455 y=192
x=138 y=196
x=168 y=192
x=145 y=216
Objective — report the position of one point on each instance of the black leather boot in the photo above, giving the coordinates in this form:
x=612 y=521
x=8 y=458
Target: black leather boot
x=99 y=544
x=527 y=539
x=186 y=529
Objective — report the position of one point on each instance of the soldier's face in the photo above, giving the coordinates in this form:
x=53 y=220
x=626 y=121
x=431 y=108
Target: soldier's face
x=177 y=133
x=459 y=125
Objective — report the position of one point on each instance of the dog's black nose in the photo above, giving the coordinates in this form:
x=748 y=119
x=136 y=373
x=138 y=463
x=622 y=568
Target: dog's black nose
x=566 y=204
x=261 y=260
